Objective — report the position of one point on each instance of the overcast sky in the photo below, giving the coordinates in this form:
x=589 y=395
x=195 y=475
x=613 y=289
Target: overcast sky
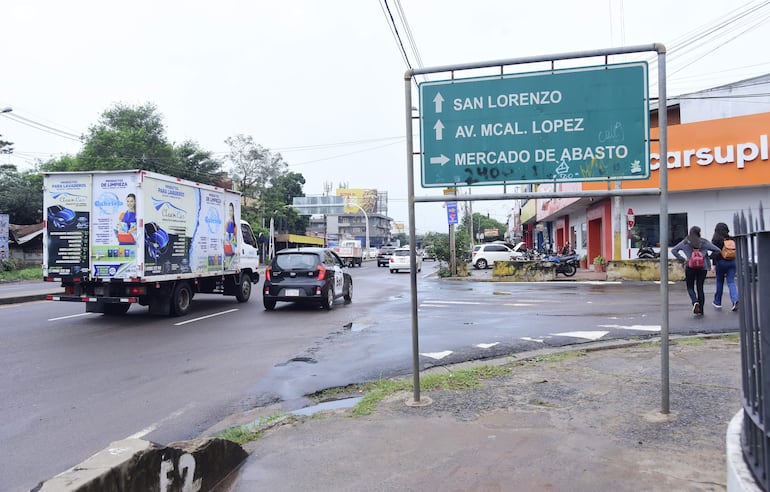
x=322 y=82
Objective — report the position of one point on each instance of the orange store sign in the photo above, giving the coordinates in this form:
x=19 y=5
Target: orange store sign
x=725 y=153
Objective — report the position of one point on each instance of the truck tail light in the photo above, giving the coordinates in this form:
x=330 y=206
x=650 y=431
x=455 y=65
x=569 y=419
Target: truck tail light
x=136 y=291
x=321 y=272
x=267 y=273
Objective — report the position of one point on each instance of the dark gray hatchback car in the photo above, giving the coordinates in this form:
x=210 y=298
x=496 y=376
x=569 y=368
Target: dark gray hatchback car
x=306 y=275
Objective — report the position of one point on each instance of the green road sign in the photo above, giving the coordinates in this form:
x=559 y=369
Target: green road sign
x=582 y=124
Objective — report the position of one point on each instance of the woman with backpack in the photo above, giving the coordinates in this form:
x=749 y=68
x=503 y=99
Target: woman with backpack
x=695 y=249
x=724 y=265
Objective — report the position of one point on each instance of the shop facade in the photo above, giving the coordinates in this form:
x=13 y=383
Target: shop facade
x=717 y=167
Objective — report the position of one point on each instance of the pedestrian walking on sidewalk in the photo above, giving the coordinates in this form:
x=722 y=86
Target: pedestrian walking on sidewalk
x=724 y=268
x=697 y=265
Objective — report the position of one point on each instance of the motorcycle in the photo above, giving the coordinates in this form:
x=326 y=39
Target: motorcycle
x=647 y=252
x=566 y=265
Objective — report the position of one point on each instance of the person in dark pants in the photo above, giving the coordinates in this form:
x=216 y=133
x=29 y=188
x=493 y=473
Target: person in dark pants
x=695 y=277
x=724 y=268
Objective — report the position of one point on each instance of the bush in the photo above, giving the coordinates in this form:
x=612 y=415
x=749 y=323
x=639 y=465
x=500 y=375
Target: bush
x=9 y=265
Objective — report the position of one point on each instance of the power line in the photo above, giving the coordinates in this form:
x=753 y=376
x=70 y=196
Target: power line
x=42 y=127
x=394 y=30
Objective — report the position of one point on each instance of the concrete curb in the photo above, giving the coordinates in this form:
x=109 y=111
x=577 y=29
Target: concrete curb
x=135 y=464
x=23 y=298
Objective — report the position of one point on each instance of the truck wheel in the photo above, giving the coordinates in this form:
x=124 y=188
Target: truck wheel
x=116 y=309
x=327 y=302
x=269 y=304
x=244 y=290
x=348 y=295
x=180 y=301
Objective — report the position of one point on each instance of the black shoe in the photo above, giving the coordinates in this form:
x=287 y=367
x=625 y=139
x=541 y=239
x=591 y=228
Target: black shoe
x=735 y=306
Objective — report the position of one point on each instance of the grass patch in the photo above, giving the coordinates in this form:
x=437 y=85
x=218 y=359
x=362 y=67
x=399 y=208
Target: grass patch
x=456 y=380
x=559 y=356
x=241 y=435
x=693 y=341
x=34 y=273
x=251 y=432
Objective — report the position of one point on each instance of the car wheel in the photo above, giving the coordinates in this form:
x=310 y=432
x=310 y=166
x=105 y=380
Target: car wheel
x=181 y=299
x=481 y=264
x=348 y=296
x=327 y=302
x=269 y=304
x=392 y=271
x=244 y=290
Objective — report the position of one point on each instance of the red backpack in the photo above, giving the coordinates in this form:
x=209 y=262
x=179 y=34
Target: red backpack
x=696 y=260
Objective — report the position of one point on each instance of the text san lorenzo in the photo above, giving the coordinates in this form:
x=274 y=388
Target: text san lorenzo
x=507 y=100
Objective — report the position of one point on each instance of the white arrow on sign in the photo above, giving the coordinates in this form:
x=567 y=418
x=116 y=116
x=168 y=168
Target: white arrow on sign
x=439 y=127
x=442 y=159
x=438 y=100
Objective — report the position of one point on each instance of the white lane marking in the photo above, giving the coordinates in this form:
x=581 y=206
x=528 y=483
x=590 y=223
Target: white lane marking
x=440 y=306
x=518 y=304
x=437 y=355
x=529 y=339
x=157 y=424
x=70 y=316
x=654 y=328
x=590 y=335
x=205 y=317
x=468 y=303
x=486 y=345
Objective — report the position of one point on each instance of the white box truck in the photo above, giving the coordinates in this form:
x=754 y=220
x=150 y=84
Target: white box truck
x=350 y=251
x=117 y=238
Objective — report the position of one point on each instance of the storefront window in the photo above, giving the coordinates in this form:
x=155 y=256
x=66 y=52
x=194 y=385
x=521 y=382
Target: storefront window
x=583 y=236
x=646 y=230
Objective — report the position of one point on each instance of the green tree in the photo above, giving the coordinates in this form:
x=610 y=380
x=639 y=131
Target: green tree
x=134 y=138
x=61 y=164
x=5 y=147
x=253 y=166
x=277 y=199
x=482 y=223
x=128 y=138
x=197 y=164
x=21 y=195
x=440 y=243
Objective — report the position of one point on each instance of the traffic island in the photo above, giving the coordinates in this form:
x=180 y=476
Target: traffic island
x=523 y=271
x=136 y=464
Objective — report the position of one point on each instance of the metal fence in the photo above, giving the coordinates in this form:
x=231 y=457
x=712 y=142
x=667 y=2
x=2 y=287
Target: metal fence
x=753 y=266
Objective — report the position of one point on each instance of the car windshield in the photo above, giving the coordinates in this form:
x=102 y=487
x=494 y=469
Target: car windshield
x=297 y=261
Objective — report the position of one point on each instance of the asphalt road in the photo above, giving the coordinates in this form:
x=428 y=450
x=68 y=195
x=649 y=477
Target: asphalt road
x=74 y=382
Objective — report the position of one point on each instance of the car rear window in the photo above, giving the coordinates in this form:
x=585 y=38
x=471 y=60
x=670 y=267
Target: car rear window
x=297 y=261
x=399 y=252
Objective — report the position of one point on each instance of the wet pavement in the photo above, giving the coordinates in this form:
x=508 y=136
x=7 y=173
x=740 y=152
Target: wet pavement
x=580 y=420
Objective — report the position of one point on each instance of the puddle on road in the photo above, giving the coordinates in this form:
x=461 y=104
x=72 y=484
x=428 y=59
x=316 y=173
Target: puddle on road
x=328 y=405
x=359 y=326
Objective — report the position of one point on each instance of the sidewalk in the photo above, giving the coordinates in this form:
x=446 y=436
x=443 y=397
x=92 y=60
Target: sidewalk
x=584 y=422
x=27 y=290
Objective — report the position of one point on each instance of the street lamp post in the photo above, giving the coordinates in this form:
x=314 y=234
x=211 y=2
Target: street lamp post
x=366 y=218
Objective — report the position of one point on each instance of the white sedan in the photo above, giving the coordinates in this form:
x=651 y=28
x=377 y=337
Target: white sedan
x=400 y=260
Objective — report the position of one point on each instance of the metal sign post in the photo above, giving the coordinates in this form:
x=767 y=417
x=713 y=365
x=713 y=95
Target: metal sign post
x=554 y=126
